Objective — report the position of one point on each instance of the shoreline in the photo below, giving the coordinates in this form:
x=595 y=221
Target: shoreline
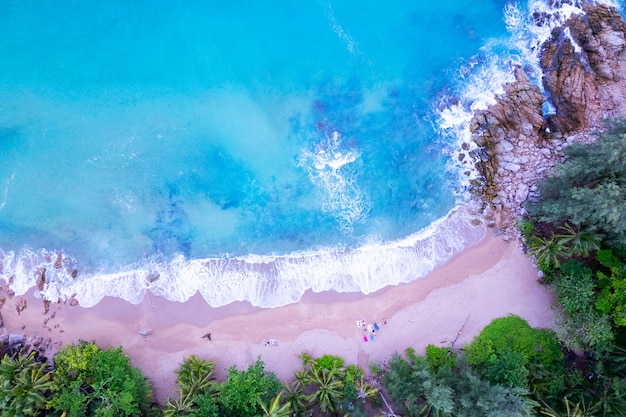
x=488 y=280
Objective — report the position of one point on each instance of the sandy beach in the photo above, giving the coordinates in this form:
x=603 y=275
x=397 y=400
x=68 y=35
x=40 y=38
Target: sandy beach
x=489 y=280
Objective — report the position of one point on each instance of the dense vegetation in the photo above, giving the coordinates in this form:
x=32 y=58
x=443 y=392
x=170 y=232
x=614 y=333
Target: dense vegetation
x=577 y=232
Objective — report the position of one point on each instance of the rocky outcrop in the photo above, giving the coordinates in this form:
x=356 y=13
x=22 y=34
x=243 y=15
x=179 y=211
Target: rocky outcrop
x=584 y=66
x=503 y=128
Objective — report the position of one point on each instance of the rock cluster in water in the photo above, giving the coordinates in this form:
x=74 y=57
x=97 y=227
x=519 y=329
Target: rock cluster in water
x=584 y=77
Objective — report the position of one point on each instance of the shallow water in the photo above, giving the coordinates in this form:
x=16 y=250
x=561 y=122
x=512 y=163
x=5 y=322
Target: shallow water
x=235 y=148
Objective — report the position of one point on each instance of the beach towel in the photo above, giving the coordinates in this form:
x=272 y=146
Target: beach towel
x=376 y=327
x=372 y=338
x=365 y=338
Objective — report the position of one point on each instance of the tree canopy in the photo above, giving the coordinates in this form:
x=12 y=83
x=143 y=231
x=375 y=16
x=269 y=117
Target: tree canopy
x=88 y=381
x=588 y=189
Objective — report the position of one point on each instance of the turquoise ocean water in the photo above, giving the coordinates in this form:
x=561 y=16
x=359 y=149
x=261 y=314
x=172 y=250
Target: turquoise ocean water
x=246 y=150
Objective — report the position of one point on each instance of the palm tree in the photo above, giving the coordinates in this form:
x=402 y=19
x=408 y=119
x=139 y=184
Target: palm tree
x=195 y=375
x=329 y=392
x=580 y=242
x=302 y=377
x=364 y=389
x=579 y=409
x=183 y=406
x=296 y=399
x=194 y=379
x=24 y=385
x=275 y=408
x=548 y=252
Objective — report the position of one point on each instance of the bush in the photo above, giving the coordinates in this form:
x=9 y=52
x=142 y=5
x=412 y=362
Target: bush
x=583 y=327
x=240 y=393
x=88 y=381
x=506 y=349
x=440 y=357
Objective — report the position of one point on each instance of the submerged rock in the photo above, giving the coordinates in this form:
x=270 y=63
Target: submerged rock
x=153 y=277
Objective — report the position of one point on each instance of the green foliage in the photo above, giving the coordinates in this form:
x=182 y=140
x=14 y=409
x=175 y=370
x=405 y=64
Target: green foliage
x=588 y=190
x=88 y=381
x=612 y=283
x=580 y=242
x=240 y=394
x=24 y=386
x=583 y=327
x=297 y=400
x=419 y=390
x=332 y=387
x=275 y=408
x=329 y=391
x=508 y=348
x=508 y=368
x=549 y=253
x=329 y=362
x=514 y=334
x=527 y=228
x=197 y=390
x=439 y=357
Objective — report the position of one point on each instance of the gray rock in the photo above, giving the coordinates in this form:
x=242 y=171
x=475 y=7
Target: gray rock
x=522 y=193
x=511 y=166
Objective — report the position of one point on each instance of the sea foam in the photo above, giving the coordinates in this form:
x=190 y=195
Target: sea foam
x=265 y=281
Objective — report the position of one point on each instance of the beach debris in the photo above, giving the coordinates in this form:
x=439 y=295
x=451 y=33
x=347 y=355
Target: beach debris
x=207 y=336
x=459 y=333
x=74 y=273
x=272 y=342
x=145 y=332
x=21 y=305
x=390 y=413
x=46 y=306
x=73 y=302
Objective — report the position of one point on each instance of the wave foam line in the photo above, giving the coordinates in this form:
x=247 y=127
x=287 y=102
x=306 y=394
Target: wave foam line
x=264 y=281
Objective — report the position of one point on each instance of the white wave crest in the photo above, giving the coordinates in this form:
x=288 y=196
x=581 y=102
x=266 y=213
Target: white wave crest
x=328 y=168
x=265 y=281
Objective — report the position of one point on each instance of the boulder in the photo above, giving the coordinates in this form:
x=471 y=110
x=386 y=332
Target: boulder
x=584 y=66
